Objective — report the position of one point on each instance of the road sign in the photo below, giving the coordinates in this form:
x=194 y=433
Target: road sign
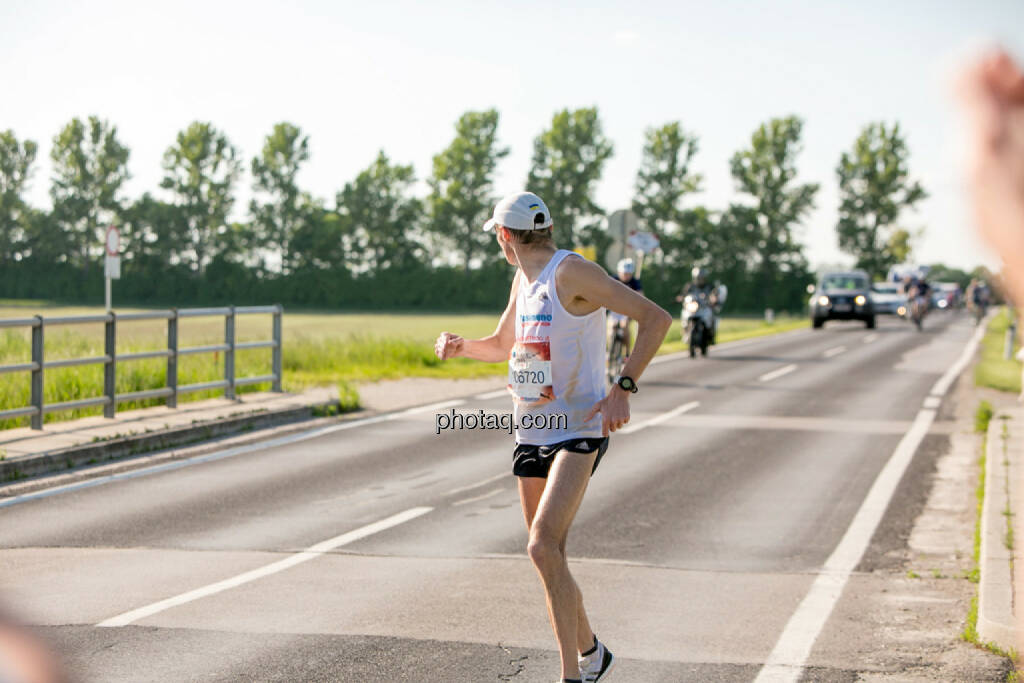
x=621 y=224
x=113 y=241
x=112 y=267
x=112 y=262
x=644 y=242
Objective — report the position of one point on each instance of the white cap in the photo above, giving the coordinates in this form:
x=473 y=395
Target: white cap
x=520 y=211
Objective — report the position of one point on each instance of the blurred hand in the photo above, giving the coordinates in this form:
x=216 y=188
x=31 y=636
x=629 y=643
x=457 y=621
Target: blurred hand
x=614 y=409
x=992 y=93
x=448 y=345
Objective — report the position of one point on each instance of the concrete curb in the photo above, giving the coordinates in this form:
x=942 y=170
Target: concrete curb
x=997 y=618
x=135 y=444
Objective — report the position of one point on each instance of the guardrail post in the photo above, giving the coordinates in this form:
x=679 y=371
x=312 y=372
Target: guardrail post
x=229 y=355
x=110 y=369
x=172 y=358
x=37 y=373
x=278 y=349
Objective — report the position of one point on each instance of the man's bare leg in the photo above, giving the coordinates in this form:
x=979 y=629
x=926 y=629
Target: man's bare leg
x=563 y=493
x=530 y=491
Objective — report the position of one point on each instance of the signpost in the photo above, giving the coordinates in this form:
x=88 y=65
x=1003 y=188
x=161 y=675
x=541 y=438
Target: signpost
x=643 y=243
x=112 y=268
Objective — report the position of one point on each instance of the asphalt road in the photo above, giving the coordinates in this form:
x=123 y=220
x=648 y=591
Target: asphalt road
x=382 y=552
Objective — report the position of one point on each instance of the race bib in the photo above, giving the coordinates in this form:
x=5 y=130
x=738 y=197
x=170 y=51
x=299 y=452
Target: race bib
x=529 y=373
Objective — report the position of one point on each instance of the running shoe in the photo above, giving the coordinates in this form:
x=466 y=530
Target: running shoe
x=596 y=666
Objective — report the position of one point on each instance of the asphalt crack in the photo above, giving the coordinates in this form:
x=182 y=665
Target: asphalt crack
x=517 y=662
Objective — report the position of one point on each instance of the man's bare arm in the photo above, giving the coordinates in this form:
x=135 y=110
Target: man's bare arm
x=587 y=286
x=490 y=349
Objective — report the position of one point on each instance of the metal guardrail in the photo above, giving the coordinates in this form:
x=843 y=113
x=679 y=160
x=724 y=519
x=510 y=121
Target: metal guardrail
x=110 y=359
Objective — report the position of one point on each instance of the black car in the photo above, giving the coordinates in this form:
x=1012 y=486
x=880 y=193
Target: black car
x=843 y=296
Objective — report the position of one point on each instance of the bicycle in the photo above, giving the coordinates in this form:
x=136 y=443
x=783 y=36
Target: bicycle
x=617 y=350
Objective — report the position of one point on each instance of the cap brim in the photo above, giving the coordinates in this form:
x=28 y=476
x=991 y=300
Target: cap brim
x=489 y=225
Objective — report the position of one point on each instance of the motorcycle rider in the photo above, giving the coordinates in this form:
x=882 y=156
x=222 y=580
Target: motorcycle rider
x=625 y=272
x=699 y=285
x=918 y=293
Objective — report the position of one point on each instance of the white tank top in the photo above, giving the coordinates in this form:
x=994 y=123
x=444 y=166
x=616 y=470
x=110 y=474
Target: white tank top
x=557 y=364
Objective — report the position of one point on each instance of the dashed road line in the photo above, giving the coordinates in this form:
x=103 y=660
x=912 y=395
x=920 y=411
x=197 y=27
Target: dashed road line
x=488 y=395
x=831 y=353
x=470 y=487
x=309 y=553
x=870 y=338
x=685 y=408
x=482 y=496
x=775 y=374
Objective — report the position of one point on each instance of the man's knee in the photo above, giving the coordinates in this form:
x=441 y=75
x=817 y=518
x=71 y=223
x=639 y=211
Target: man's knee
x=545 y=551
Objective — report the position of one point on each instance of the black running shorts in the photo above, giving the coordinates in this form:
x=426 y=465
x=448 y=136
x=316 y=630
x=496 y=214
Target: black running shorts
x=535 y=461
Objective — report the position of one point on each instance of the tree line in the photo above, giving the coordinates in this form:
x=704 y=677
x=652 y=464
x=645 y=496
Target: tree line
x=378 y=245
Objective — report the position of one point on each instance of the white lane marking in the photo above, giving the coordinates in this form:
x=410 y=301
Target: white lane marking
x=870 y=338
x=491 y=394
x=309 y=553
x=488 y=480
x=685 y=408
x=775 y=374
x=932 y=402
x=830 y=353
x=789 y=656
x=729 y=346
x=482 y=496
x=228 y=453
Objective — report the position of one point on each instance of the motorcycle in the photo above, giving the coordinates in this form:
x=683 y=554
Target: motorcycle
x=918 y=307
x=698 y=320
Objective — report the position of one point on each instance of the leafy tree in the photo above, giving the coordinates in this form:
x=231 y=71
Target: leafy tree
x=152 y=233
x=461 y=185
x=89 y=167
x=664 y=177
x=766 y=171
x=567 y=163
x=874 y=188
x=319 y=242
x=379 y=216
x=200 y=169
x=15 y=169
x=283 y=209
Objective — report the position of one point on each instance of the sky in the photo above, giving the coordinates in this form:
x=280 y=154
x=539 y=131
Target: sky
x=359 y=77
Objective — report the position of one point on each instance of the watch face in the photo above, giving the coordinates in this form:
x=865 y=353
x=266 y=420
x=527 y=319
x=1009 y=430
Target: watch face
x=626 y=383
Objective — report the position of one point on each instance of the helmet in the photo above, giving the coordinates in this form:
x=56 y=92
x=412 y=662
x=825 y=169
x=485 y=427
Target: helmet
x=699 y=275
x=626 y=266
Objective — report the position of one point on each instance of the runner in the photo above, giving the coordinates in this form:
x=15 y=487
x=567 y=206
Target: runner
x=552 y=334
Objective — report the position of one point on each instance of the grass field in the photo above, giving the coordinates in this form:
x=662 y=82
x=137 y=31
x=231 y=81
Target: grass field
x=992 y=369
x=319 y=349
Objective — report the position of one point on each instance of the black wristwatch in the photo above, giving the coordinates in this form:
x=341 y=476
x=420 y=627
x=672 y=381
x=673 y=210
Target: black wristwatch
x=626 y=384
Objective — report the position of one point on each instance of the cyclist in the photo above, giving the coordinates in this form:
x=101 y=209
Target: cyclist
x=625 y=272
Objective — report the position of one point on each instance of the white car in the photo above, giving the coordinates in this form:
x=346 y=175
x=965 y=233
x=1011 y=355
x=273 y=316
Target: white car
x=888 y=297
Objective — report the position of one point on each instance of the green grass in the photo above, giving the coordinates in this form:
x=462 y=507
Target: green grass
x=325 y=349
x=993 y=370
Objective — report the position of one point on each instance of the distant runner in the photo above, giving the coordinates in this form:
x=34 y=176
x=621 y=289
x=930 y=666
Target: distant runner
x=552 y=335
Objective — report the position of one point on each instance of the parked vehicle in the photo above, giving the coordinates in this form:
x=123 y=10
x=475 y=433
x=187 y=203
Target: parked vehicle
x=887 y=298
x=842 y=295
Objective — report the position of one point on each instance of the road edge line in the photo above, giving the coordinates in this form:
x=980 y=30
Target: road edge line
x=786 y=662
